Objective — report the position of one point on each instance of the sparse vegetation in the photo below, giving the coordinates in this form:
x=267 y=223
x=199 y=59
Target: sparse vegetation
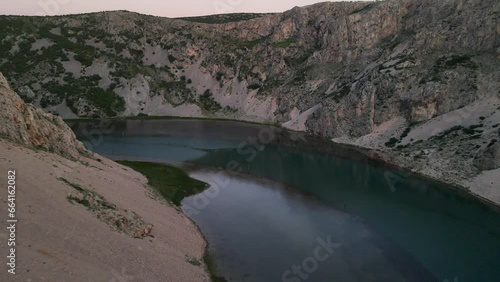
x=171 y=58
x=446 y=63
x=405 y=133
x=90 y=199
x=207 y=102
x=254 y=86
x=455 y=61
x=106 y=100
x=472 y=129
x=341 y=93
x=450 y=130
x=392 y=142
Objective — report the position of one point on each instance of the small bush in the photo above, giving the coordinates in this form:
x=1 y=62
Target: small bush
x=254 y=86
x=405 y=133
x=392 y=142
x=171 y=58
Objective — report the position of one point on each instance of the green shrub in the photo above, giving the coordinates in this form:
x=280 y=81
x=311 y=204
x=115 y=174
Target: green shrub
x=207 y=102
x=392 y=142
x=108 y=101
x=218 y=76
x=405 y=133
x=254 y=86
x=171 y=58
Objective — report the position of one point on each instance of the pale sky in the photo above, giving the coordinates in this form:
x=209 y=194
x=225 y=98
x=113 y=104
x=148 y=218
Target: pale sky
x=164 y=8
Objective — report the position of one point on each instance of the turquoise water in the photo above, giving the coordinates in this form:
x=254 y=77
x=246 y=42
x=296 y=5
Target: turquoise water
x=275 y=203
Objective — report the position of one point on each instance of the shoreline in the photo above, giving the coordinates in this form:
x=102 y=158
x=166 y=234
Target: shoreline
x=183 y=185
x=376 y=156
x=148 y=118
x=379 y=157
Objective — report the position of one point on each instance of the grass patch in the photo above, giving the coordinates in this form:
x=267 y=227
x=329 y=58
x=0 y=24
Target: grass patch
x=170 y=182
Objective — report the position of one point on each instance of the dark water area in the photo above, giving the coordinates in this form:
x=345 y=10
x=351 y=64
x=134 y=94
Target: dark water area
x=286 y=206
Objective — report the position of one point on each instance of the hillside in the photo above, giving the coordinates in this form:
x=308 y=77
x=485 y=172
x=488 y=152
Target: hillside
x=417 y=79
x=82 y=217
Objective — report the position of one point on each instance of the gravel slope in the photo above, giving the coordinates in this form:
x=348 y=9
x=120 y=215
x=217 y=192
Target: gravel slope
x=63 y=241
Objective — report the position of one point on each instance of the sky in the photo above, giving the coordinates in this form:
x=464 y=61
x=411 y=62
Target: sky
x=164 y=8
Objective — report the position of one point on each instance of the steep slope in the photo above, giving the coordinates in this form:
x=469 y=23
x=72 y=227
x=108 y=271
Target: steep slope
x=81 y=218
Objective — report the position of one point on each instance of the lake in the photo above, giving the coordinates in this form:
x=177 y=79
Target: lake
x=287 y=206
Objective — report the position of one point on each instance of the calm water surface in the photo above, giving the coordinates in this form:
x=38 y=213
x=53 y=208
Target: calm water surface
x=289 y=207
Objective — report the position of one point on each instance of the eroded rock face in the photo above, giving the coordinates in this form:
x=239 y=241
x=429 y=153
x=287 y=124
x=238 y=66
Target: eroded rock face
x=22 y=123
x=489 y=158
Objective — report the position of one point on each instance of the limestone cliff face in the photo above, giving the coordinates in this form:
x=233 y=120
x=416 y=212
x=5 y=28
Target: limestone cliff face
x=337 y=69
x=24 y=124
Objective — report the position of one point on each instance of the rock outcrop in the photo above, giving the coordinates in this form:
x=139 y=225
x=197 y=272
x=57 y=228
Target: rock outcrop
x=24 y=124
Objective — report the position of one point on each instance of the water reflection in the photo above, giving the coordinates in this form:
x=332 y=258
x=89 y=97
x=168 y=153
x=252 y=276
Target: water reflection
x=264 y=231
x=412 y=224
